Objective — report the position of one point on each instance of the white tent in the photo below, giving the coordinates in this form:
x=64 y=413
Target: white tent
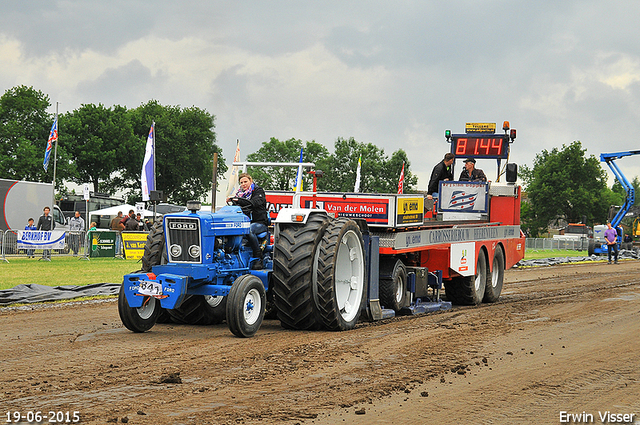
x=100 y=216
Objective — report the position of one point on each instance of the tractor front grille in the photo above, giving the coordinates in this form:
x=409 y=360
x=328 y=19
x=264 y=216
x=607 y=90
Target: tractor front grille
x=183 y=239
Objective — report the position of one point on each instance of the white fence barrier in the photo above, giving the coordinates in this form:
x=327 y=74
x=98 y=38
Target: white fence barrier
x=74 y=245
x=549 y=243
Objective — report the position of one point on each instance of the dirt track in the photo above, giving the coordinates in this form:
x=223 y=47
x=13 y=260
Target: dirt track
x=562 y=338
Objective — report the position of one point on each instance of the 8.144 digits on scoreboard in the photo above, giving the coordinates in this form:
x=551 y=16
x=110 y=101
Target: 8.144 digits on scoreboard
x=487 y=146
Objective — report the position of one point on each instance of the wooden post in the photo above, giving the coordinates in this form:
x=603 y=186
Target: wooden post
x=215 y=182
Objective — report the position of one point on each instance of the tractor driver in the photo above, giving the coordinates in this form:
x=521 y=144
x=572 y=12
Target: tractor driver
x=251 y=198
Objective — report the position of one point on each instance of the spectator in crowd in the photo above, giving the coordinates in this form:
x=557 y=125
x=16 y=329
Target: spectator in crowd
x=131 y=223
x=30 y=226
x=471 y=173
x=126 y=218
x=140 y=222
x=93 y=226
x=117 y=226
x=76 y=227
x=46 y=223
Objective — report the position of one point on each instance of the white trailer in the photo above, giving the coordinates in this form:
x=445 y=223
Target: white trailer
x=21 y=200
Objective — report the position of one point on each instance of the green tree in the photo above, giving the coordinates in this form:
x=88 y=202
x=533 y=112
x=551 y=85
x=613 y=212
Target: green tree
x=24 y=130
x=378 y=173
x=283 y=178
x=185 y=144
x=564 y=184
x=97 y=138
x=619 y=190
x=394 y=167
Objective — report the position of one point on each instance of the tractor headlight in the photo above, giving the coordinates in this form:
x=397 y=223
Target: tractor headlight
x=175 y=250
x=194 y=251
x=194 y=206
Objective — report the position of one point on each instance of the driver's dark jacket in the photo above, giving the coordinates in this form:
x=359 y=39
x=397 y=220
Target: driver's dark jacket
x=476 y=175
x=254 y=207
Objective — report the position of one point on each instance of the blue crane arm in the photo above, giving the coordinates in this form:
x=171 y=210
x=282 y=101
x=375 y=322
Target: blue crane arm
x=609 y=158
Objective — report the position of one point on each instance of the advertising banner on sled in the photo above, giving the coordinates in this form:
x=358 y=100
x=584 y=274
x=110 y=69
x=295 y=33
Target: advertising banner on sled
x=41 y=239
x=463 y=196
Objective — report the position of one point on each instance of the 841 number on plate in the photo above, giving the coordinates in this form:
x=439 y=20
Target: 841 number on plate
x=151 y=288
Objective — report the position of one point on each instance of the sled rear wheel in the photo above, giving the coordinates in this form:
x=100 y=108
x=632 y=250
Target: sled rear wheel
x=469 y=290
x=393 y=284
x=493 y=288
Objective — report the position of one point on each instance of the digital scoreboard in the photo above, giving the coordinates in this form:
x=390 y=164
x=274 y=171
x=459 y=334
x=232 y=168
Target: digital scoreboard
x=481 y=141
x=480 y=145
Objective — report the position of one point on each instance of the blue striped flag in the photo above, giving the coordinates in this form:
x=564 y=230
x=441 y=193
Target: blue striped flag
x=53 y=137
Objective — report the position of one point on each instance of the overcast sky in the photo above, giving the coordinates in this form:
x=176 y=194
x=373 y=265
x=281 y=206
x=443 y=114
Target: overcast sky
x=396 y=74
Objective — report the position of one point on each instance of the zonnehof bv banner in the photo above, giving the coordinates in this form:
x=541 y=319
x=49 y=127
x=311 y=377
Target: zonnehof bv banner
x=40 y=239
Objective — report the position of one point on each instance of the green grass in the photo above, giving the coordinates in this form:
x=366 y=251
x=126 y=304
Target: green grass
x=73 y=271
x=64 y=271
x=535 y=254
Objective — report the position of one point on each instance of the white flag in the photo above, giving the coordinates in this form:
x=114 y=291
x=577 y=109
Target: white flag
x=232 y=182
x=148 y=177
x=357 y=185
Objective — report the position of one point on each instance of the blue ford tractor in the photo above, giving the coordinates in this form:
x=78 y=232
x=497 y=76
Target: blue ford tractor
x=196 y=270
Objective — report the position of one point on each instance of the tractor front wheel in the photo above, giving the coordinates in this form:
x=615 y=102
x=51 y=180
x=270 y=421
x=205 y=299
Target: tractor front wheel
x=138 y=319
x=154 y=255
x=246 y=305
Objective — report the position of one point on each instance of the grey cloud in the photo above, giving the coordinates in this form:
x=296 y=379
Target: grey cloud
x=129 y=85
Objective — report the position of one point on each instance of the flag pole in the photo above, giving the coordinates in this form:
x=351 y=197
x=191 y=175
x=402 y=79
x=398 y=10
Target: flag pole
x=214 y=182
x=55 y=154
x=153 y=146
x=153 y=124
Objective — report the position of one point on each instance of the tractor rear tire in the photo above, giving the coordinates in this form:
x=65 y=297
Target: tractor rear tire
x=246 y=305
x=469 y=290
x=138 y=319
x=341 y=286
x=495 y=279
x=154 y=255
x=197 y=310
x=294 y=273
x=154 y=252
x=393 y=284
x=591 y=247
x=217 y=306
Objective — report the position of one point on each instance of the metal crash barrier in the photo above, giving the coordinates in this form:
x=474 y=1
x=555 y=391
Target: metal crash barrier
x=73 y=243
x=84 y=245
x=557 y=244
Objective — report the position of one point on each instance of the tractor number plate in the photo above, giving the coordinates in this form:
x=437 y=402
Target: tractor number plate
x=150 y=288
